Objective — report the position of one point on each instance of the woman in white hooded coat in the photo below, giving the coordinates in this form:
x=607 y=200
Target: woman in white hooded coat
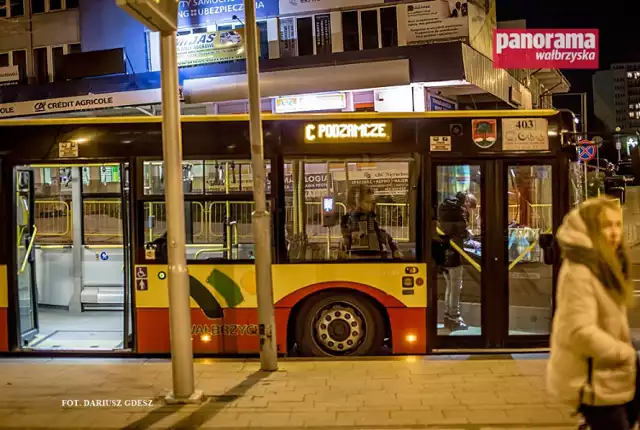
x=592 y=367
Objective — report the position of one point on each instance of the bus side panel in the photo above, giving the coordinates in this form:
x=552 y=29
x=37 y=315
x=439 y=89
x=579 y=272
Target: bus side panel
x=223 y=303
x=4 y=301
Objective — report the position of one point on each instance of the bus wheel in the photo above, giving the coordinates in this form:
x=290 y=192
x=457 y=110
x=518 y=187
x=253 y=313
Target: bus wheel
x=337 y=324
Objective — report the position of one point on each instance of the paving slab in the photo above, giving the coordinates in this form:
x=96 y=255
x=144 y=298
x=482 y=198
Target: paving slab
x=446 y=392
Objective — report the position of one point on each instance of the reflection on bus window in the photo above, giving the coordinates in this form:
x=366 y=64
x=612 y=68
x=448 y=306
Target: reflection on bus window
x=370 y=219
x=530 y=190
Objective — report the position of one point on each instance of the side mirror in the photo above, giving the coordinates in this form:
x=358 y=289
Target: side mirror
x=547 y=244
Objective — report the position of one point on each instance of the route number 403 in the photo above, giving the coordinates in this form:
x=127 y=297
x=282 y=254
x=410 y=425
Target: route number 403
x=526 y=124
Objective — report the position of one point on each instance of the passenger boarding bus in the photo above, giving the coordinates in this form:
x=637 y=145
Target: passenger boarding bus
x=392 y=233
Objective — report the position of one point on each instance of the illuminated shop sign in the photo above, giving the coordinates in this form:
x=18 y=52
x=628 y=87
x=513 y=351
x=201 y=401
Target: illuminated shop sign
x=347 y=132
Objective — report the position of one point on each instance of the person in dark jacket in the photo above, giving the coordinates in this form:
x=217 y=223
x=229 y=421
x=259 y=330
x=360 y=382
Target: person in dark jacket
x=361 y=232
x=453 y=217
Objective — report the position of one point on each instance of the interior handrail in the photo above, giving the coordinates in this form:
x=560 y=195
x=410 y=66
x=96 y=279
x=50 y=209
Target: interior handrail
x=31 y=242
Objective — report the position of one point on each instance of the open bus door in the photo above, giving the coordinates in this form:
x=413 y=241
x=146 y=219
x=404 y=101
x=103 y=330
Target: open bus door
x=25 y=255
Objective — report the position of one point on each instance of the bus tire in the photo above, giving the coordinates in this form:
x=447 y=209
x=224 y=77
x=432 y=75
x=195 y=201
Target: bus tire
x=339 y=324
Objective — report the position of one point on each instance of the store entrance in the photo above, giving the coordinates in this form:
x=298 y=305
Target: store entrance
x=493 y=288
x=73 y=257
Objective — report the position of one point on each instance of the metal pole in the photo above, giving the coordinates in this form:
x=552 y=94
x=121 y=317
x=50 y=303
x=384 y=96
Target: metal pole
x=261 y=218
x=178 y=278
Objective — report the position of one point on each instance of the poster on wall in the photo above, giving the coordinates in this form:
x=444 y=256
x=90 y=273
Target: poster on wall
x=211 y=47
x=323 y=34
x=288 y=38
x=437 y=21
x=482 y=22
x=201 y=12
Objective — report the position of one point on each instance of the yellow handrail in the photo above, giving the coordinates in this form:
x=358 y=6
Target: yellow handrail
x=222 y=249
x=26 y=257
x=461 y=252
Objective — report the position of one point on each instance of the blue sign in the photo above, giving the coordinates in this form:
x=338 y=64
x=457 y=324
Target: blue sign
x=440 y=103
x=104 y=256
x=587 y=152
x=192 y=13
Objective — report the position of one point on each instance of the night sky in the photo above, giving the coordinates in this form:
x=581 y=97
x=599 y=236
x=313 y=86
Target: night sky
x=618 y=22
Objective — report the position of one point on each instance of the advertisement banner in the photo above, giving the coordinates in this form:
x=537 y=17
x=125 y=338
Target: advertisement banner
x=299 y=6
x=9 y=75
x=193 y=13
x=211 y=47
x=440 y=103
x=288 y=38
x=323 y=34
x=437 y=21
x=545 y=49
x=482 y=23
x=86 y=102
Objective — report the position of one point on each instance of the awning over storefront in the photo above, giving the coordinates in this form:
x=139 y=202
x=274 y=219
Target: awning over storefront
x=342 y=77
x=553 y=80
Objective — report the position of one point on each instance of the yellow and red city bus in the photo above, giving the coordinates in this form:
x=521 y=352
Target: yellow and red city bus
x=84 y=261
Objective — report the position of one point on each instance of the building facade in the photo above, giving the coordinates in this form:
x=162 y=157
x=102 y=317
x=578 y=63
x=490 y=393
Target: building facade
x=87 y=57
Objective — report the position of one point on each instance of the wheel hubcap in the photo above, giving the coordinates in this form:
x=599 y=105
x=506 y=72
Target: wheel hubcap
x=339 y=328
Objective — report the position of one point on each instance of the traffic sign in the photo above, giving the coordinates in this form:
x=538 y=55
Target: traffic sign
x=586 y=151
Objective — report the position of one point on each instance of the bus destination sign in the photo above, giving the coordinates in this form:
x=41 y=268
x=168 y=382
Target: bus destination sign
x=347 y=132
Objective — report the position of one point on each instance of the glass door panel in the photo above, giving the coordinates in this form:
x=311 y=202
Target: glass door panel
x=529 y=214
x=25 y=261
x=457 y=200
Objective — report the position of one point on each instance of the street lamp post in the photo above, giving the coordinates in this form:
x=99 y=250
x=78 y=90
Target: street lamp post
x=261 y=218
x=163 y=17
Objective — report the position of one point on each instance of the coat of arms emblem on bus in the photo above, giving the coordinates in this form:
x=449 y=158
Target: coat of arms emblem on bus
x=225 y=286
x=485 y=132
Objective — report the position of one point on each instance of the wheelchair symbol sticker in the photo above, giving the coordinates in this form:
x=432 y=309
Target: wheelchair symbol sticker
x=104 y=256
x=141 y=272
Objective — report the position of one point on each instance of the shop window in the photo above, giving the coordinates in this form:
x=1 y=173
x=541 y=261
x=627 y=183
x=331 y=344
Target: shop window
x=369 y=19
x=75 y=48
x=389 y=26
x=372 y=218
x=4 y=59
x=350 y=31
x=304 y=28
x=71 y=4
x=55 y=5
x=264 y=39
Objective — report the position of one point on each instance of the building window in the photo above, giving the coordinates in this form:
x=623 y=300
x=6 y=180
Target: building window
x=42 y=6
x=19 y=58
x=11 y=8
x=74 y=48
x=41 y=65
x=350 y=31
x=369 y=21
x=389 y=26
x=304 y=27
x=4 y=60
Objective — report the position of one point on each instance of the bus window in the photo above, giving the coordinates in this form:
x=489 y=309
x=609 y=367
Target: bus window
x=217 y=216
x=373 y=202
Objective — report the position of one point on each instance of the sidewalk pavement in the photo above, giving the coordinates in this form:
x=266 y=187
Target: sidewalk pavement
x=436 y=392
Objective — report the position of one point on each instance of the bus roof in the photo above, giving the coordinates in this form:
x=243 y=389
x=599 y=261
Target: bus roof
x=286 y=117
